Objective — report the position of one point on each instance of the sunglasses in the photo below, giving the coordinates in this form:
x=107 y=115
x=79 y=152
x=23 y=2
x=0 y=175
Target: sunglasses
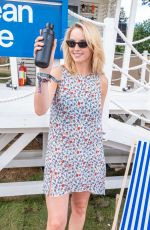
x=72 y=43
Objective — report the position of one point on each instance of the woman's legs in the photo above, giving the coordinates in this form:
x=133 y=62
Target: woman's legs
x=79 y=203
x=57 y=208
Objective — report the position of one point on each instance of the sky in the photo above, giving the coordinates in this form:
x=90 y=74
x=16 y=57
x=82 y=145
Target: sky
x=143 y=12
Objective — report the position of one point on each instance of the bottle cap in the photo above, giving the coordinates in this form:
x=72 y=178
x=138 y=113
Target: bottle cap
x=49 y=25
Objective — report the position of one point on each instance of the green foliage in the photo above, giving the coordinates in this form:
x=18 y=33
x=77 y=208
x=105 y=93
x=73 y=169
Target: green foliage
x=120 y=49
x=141 y=31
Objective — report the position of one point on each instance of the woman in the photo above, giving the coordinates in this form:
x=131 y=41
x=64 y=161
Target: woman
x=74 y=161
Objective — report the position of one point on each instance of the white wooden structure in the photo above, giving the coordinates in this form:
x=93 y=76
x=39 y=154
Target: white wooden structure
x=17 y=117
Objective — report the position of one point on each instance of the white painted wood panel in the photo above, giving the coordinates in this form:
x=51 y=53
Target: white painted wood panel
x=15 y=148
x=35 y=187
x=5 y=139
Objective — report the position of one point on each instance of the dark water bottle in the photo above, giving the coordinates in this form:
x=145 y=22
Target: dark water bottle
x=43 y=56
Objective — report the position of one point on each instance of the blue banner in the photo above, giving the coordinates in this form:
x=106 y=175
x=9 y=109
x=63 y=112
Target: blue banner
x=21 y=21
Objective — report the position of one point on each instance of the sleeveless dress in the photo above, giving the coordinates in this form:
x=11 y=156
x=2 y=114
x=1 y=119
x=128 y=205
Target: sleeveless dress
x=75 y=160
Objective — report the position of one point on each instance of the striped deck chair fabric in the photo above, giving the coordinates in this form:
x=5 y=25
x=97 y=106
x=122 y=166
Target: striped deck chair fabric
x=136 y=212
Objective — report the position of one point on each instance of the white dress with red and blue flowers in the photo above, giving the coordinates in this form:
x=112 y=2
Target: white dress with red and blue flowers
x=75 y=157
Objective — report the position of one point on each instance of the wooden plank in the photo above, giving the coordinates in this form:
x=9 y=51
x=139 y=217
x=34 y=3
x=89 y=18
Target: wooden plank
x=20 y=188
x=45 y=138
x=113 y=144
x=123 y=134
x=35 y=187
x=24 y=130
x=29 y=154
x=31 y=70
x=131 y=120
x=118 y=159
x=23 y=163
x=39 y=162
x=25 y=121
x=15 y=148
x=30 y=67
x=33 y=159
x=115 y=182
x=27 y=158
x=6 y=138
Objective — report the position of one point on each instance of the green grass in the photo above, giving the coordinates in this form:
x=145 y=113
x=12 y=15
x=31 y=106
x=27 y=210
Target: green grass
x=99 y=216
x=30 y=213
x=24 y=214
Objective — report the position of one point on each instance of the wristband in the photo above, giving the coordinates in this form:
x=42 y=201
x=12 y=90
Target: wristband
x=44 y=77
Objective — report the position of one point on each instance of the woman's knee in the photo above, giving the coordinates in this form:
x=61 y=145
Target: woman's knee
x=57 y=208
x=79 y=203
x=57 y=223
x=79 y=208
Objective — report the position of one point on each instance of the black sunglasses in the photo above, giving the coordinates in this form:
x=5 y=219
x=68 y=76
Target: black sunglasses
x=72 y=44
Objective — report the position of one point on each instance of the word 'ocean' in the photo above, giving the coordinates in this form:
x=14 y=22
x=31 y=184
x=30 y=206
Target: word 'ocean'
x=11 y=13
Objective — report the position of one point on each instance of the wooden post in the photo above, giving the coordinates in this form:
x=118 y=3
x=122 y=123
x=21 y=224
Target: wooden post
x=117 y=199
x=143 y=71
x=122 y=188
x=14 y=71
x=109 y=40
x=143 y=75
x=127 y=53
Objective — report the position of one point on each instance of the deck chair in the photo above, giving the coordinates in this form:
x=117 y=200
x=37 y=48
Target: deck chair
x=136 y=211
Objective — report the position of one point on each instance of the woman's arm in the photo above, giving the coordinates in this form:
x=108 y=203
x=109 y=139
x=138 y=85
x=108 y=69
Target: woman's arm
x=43 y=100
x=104 y=88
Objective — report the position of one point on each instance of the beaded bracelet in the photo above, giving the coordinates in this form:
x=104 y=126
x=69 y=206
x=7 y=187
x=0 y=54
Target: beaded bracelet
x=44 y=77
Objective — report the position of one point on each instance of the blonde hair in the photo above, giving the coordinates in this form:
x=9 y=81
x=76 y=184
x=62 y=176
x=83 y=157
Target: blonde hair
x=93 y=38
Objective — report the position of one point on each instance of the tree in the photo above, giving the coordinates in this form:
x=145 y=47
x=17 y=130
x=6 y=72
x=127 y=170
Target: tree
x=142 y=30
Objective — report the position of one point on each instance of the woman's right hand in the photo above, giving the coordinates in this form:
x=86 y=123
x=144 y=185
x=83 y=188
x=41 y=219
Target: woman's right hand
x=38 y=46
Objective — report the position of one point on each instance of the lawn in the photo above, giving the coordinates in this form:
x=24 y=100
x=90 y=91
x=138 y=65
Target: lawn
x=29 y=212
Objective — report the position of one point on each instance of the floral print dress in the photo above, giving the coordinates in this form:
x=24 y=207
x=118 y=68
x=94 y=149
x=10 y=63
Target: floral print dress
x=75 y=157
